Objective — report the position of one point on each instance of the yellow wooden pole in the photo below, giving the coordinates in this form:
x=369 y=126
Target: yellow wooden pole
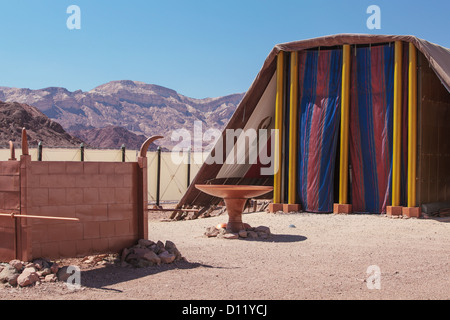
x=412 y=125
x=293 y=128
x=345 y=104
x=278 y=128
x=396 y=152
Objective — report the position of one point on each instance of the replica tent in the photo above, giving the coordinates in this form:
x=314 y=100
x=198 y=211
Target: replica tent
x=355 y=120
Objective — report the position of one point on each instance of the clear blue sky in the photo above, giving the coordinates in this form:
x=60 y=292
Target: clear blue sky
x=199 y=48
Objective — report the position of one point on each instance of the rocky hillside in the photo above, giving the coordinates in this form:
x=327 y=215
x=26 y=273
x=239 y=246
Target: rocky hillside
x=112 y=137
x=141 y=108
x=15 y=116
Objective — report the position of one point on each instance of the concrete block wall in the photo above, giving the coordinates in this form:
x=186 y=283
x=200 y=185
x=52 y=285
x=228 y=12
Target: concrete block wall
x=103 y=195
x=9 y=202
x=108 y=198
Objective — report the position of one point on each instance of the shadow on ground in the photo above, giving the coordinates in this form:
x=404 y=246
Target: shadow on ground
x=101 y=278
x=278 y=238
x=113 y=274
x=439 y=219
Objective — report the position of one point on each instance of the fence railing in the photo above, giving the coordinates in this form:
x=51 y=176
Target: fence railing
x=174 y=177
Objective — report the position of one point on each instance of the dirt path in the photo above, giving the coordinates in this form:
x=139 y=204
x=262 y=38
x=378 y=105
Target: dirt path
x=322 y=257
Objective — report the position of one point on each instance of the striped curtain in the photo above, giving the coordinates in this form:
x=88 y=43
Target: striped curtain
x=320 y=90
x=371 y=132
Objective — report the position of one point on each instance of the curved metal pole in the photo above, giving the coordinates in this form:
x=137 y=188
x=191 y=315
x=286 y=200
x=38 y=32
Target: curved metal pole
x=146 y=144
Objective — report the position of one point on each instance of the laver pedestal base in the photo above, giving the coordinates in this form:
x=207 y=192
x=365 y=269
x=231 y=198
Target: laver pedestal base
x=235 y=198
x=235 y=207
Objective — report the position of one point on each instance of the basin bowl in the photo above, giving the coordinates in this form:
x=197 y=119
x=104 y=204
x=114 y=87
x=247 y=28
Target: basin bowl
x=235 y=197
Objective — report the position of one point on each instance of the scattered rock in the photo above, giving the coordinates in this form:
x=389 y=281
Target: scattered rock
x=211 y=232
x=28 y=277
x=147 y=253
x=262 y=229
x=143 y=254
x=262 y=235
x=40 y=264
x=44 y=272
x=252 y=234
x=24 y=274
x=9 y=275
x=159 y=247
x=166 y=257
x=261 y=232
x=152 y=257
x=145 y=243
x=99 y=259
x=125 y=253
x=172 y=248
x=51 y=278
x=16 y=264
x=54 y=267
x=243 y=234
x=231 y=236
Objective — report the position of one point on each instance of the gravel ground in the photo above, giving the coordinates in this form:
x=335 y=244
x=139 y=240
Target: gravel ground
x=308 y=256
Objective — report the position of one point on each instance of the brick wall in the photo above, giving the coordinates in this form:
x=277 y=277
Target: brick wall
x=103 y=195
x=9 y=202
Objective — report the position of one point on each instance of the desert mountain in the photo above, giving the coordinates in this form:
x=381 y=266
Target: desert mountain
x=112 y=137
x=144 y=109
x=15 y=116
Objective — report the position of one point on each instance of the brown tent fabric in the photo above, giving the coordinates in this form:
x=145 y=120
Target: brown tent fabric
x=437 y=56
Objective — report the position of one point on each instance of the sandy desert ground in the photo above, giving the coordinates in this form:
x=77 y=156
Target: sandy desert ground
x=308 y=256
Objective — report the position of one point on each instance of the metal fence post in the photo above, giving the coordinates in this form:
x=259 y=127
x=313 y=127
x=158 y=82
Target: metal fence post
x=82 y=151
x=158 y=176
x=189 y=168
x=123 y=153
x=40 y=151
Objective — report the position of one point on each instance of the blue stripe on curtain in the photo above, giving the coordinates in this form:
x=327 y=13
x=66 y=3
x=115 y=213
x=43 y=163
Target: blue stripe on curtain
x=320 y=89
x=371 y=128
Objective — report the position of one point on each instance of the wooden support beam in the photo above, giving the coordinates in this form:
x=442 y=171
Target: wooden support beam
x=397 y=119
x=412 y=125
x=345 y=125
x=278 y=128
x=293 y=129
